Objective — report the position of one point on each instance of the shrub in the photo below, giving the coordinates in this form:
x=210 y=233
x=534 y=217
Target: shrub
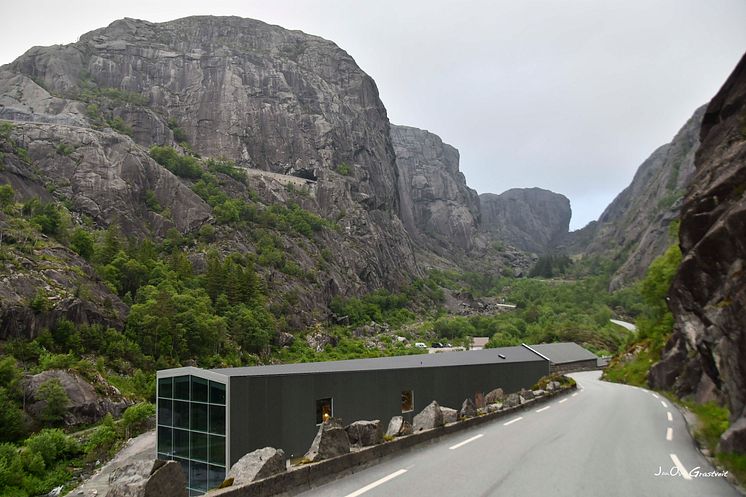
x=52 y=444
x=344 y=169
x=52 y=392
x=7 y=196
x=136 y=417
x=82 y=243
x=181 y=165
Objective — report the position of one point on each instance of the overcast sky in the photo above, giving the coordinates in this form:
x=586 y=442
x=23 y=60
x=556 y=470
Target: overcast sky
x=565 y=95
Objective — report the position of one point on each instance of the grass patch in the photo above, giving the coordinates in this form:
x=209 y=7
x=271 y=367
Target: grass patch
x=632 y=366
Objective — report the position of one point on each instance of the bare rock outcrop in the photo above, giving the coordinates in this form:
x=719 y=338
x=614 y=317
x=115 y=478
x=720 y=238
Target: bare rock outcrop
x=437 y=206
x=708 y=296
x=468 y=410
x=494 y=396
x=256 y=465
x=398 y=427
x=85 y=405
x=531 y=219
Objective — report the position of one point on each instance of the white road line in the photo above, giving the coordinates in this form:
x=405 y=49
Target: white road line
x=452 y=447
x=669 y=434
x=543 y=409
x=664 y=404
x=513 y=421
x=682 y=470
x=377 y=483
x=574 y=395
x=561 y=401
x=668 y=414
x=656 y=395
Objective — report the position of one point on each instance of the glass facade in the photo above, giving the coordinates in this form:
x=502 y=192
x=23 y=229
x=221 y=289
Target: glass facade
x=191 y=429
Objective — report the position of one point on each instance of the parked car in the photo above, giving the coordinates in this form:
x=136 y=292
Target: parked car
x=420 y=345
x=437 y=345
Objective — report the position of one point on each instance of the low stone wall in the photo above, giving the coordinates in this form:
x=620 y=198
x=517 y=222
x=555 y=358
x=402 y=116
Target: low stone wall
x=307 y=476
x=575 y=367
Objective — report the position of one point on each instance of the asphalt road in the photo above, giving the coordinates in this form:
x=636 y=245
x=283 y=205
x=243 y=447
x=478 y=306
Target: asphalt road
x=604 y=440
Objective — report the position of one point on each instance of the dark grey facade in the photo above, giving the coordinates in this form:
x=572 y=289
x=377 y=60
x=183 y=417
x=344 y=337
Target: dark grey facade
x=281 y=406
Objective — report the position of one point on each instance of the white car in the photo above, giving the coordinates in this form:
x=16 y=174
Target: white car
x=420 y=345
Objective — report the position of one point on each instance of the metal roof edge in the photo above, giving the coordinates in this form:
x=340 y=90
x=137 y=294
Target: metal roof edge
x=536 y=352
x=194 y=371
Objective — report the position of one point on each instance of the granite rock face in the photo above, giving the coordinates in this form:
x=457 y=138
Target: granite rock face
x=530 y=219
x=635 y=228
x=331 y=441
x=708 y=295
x=427 y=419
x=398 y=427
x=365 y=433
x=437 y=207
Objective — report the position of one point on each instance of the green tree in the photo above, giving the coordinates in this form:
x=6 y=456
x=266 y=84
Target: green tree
x=55 y=398
x=7 y=196
x=82 y=243
x=11 y=419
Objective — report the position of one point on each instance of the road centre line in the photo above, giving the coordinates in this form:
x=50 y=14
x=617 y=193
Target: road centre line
x=513 y=421
x=669 y=434
x=664 y=404
x=682 y=470
x=376 y=483
x=563 y=400
x=475 y=437
x=655 y=395
x=543 y=409
x=574 y=395
x=668 y=414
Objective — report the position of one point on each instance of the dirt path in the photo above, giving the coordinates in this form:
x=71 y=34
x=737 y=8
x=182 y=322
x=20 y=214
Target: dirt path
x=138 y=448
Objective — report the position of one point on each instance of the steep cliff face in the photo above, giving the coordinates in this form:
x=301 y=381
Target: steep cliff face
x=437 y=206
x=530 y=219
x=634 y=228
x=268 y=98
x=708 y=295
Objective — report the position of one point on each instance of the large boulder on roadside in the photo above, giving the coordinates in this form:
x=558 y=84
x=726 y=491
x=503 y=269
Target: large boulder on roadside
x=331 y=441
x=526 y=395
x=512 y=400
x=430 y=417
x=86 y=404
x=149 y=478
x=468 y=410
x=256 y=465
x=449 y=415
x=365 y=433
x=494 y=396
x=398 y=427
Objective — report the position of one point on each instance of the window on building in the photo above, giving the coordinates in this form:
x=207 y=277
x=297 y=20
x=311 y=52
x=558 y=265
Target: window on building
x=407 y=401
x=324 y=410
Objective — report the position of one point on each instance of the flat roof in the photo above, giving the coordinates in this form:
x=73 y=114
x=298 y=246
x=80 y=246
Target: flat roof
x=564 y=352
x=442 y=359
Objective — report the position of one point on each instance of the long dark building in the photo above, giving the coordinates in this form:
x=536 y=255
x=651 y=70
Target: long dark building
x=208 y=419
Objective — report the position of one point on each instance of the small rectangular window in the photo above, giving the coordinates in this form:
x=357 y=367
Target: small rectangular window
x=217 y=420
x=165 y=412
x=217 y=450
x=324 y=410
x=407 y=401
x=198 y=417
x=215 y=476
x=199 y=389
x=217 y=393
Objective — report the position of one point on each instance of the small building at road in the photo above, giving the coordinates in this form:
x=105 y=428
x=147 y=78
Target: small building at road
x=566 y=357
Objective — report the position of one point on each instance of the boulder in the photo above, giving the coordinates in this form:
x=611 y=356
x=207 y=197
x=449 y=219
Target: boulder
x=319 y=340
x=430 y=417
x=734 y=438
x=467 y=409
x=553 y=385
x=283 y=339
x=512 y=400
x=256 y=465
x=526 y=395
x=398 y=427
x=494 y=396
x=538 y=393
x=85 y=405
x=149 y=478
x=365 y=433
x=479 y=401
x=494 y=407
x=331 y=441
x=449 y=415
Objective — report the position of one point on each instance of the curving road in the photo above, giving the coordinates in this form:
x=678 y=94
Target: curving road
x=605 y=440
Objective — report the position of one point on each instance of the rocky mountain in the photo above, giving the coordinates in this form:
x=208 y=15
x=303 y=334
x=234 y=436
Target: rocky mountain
x=437 y=207
x=634 y=228
x=530 y=219
x=292 y=110
x=705 y=355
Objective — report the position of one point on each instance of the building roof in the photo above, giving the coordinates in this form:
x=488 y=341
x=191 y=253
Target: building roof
x=564 y=352
x=479 y=341
x=444 y=359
